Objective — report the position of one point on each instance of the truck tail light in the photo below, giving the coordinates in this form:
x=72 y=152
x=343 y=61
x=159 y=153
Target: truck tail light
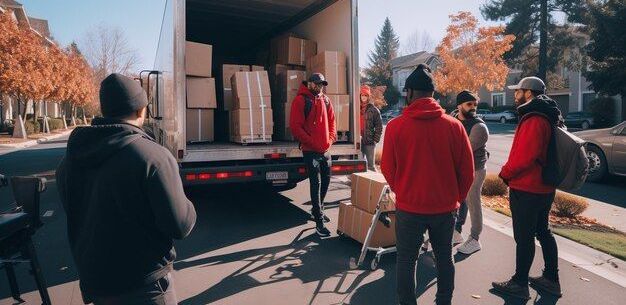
x=302 y=170
x=275 y=156
x=190 y=177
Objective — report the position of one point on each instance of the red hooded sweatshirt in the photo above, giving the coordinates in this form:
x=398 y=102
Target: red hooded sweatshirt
x=427 y=159
x=316 y=133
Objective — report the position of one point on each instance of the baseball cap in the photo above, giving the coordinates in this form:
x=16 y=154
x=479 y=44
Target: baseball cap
x=317 y=78
x=530 y=83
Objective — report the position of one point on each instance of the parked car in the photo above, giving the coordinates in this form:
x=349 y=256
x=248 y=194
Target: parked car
x=606 y=149
x=481 y=113
x=502 y=117
x=581 y=120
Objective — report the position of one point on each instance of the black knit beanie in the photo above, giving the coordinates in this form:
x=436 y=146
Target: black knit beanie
x=120 y=96
x=420 y=79
x=465 y=96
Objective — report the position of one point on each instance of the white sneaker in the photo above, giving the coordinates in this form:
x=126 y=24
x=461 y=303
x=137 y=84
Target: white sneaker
x=457 y=238
x=470 y=246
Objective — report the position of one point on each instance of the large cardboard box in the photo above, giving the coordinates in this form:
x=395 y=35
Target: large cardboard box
x=252 y=102
x=198 y=59
x=291 y=50
x=229 y=70
x=250 y=84
x=200 y=125
x=249 y=122
x=355 y=223
x=333 y=65
x=366 y=190
x=257 y=68
x=341 y=107
x=201 y=93
x=290 y=80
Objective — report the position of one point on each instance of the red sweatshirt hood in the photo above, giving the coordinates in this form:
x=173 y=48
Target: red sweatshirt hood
x=303 y=90
x=424 y=109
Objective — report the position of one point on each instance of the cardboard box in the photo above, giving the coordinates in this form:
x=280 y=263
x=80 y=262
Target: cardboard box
x=251 y=84
x=291 y=50
x=341 y=106
x=290 y=80
x=198 y=59
x=257 y=68
x=333 y=65
x=366 y=190
x=229 y=70
x=252 y=102
x=282 y=114
x=355 y=223
x=251 y=122
x=200 y=125
x=228 y=99
x=201 y=93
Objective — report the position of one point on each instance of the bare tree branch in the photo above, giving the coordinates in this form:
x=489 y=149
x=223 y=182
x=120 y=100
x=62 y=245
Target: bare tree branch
x=108 y=51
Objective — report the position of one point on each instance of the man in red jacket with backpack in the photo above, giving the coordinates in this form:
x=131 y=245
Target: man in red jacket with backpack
x=312 y=123
x=530 y=197
x=427 y=161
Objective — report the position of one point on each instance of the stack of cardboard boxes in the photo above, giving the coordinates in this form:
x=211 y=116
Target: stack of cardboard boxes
x=332 y=64
x=201 y=100
x=251 y=119
x=355 y=217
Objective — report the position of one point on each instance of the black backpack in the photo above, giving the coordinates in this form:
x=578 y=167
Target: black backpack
x=308 y=104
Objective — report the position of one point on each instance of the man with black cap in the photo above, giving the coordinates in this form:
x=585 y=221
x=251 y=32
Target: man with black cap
x=427 y=161
x=478 y=133
x=312 y=123
x=530 y=198
x=124 y=201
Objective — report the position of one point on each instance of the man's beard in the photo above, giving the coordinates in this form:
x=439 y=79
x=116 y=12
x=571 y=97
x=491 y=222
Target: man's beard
x=469 y=114
x=522 y=100
x=315 y=91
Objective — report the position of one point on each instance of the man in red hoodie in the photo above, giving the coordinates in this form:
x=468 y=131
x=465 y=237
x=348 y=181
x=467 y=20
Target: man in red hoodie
x=312 y=123
x=427 y=161
x=530 y=198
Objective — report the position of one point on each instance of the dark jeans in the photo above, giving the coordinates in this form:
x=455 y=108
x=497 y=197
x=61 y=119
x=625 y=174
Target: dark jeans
x=462 y=217
x=160 y=292
x=410 y=229
x=530 y=214
x=318 y=168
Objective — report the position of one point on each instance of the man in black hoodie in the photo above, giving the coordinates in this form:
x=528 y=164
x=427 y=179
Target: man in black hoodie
x=124 y=202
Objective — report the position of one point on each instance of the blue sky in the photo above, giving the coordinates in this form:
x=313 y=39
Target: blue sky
x=141 y=19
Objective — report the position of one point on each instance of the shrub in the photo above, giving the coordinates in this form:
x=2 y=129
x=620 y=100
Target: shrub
x=603 y=112
x=32 y=127
x=55 y=123
x=568 y=205
x=494 y=186
x=484 y=106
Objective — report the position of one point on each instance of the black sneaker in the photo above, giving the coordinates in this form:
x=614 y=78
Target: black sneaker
x=547 y=285
x=511 y=288
x=325 y=218
x=321 y=230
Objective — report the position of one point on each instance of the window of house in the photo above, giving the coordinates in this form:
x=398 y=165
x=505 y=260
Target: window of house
x=497 y=99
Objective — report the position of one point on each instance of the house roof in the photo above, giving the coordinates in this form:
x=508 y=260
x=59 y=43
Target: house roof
x=10 y=3
x=413 y=60
x=40 y=25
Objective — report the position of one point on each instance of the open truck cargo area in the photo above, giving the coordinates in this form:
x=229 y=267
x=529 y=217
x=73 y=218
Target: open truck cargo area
x=242 y=35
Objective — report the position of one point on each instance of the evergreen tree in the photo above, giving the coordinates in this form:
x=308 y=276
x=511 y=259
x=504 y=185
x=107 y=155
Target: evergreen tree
x=379 y=72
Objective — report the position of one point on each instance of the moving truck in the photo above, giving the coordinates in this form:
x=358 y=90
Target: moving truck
x=240 y=32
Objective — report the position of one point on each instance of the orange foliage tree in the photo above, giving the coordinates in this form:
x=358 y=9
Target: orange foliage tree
x=472 y=56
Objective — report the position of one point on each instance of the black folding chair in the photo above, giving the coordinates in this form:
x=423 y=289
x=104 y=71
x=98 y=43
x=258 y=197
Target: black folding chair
x=16 y=230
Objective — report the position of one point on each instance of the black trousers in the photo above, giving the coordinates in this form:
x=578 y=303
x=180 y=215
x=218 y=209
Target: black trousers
x=318 y=169
x=160 y=292
x=530 y=213
x=410 y=229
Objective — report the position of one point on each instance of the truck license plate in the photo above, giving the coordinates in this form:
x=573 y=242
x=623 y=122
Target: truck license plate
x=277 y=176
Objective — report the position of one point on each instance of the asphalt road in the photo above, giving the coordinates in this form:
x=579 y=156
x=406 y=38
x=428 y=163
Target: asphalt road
x=255 y=247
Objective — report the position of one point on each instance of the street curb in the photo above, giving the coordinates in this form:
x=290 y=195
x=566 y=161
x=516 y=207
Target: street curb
x=16 y=147
x=592 y=260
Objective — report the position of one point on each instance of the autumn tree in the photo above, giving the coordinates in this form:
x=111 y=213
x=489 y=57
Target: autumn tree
x=472 y=56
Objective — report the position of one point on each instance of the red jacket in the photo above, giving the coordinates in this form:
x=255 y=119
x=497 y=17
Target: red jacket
x=427 y=159
x=530 y=146
x=317 y=132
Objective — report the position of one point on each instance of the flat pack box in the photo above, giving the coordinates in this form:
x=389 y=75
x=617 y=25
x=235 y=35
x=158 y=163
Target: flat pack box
x=355 y=223
x=341 y=107
x=201 y=93
x=254 y=83
x=247 y=122
x=333 y=65
x=291 y=50
x=200 y=125
x=366 y=190
x=198 y=59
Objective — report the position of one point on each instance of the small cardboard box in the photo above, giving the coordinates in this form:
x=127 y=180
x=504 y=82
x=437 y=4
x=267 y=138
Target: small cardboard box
x=200 y=125
x=333 y=65
x=198 y=59
x=257 y=68
x=250 y=122
x=250 y=84
x=341 y=107
x=355 y=223
x=201 y=93
x=291 y=50
x=229 y=70
x=366 y=190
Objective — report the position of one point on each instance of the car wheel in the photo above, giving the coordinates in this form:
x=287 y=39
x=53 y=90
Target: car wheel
x=503 y=120
x=597 y=164
x=585 y=125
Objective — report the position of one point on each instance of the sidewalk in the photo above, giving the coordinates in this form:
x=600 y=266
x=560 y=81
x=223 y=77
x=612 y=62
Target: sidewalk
x=8 y=148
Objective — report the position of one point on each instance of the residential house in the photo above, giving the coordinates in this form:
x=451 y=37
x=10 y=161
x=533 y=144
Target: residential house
x=402 y=67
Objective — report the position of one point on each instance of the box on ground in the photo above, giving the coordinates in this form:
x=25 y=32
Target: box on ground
x=291 y=50
x=200 y=125
x=248 y=122
x=341 y=107
x=355 y=223
x=201 y=92
x=198 y=59
x=250 y=84
x=333 y=65
x=366 y=190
